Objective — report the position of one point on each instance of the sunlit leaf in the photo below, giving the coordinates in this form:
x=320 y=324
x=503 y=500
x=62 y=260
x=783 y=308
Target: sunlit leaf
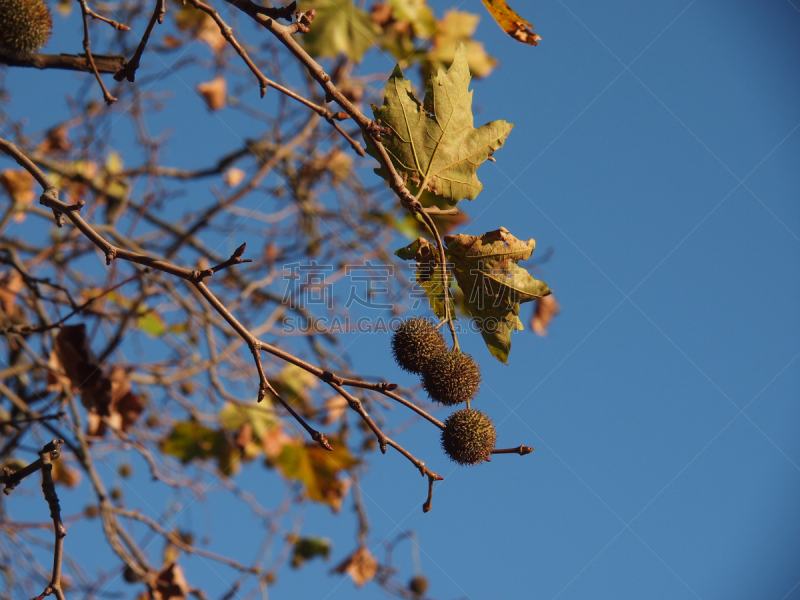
x=433 y=144
x=214 y=92
x=318 y=470
x=458 y=26
x=20 y=186
x=294 y=385
x=339 y=27
x=511 y=22
x=64 y=474
x=546 y=309
x=494 y=285
x=415 y=12
x=250 y=422
x=361 y=566
x=486 y=270
x=151 y=323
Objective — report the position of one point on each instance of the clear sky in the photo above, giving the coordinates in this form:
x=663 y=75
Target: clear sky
x=657 y=151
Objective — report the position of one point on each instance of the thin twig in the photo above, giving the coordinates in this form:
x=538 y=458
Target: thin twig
x=50 y=452
x=115 y=24
x=129 y=70
x=521 y=450
x=85 y=11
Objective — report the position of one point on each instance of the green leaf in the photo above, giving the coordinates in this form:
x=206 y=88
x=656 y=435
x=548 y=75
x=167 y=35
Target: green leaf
x=434 y=144
x=494 y=285
x=339 y=28
x=151 y=323
x=510 y=22
x=189 y=440
x=309 y=547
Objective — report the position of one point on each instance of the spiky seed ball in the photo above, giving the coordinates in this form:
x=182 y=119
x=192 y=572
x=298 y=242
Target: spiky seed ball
x=24 y=26
x=468 y=437
x=418 y=585
x=451 y=378
x=415 y=342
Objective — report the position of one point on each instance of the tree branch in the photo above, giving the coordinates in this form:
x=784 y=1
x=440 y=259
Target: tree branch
x=68 y=62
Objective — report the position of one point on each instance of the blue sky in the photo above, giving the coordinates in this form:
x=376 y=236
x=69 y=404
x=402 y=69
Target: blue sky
x=656 y=150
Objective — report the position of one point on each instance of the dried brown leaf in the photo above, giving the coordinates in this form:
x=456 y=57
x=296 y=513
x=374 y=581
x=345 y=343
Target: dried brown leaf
x=57 y=140
x=11 y=285
x=170 y=584
x=64 y=474
x=335 y=407
x=546 y=308
x=361 y=566
x=171 y=42
x=214 y=93
x=19 y=185
x=210 y=34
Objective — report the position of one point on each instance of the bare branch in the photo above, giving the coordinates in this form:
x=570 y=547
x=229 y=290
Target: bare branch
x=521 y=450
x=128 y=71
x=68 y=62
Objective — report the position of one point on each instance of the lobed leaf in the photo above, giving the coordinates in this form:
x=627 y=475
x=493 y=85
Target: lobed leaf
x=487 y=271
x=434 y=144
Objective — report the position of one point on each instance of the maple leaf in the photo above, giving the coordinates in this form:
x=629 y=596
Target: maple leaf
x=510 y=22
x=494 y=285
x=487 y=271
x=434 y=144
x=339 y=27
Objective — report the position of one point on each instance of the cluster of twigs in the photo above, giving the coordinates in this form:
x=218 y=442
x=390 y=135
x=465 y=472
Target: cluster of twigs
x=122 y=248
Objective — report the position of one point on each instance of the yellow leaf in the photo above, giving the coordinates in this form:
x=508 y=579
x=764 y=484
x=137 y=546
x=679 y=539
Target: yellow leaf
x=459 y=26
x=114 y=162
x=63 y=473
x=514 y=25
x=318 y=470
x=64 y=7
